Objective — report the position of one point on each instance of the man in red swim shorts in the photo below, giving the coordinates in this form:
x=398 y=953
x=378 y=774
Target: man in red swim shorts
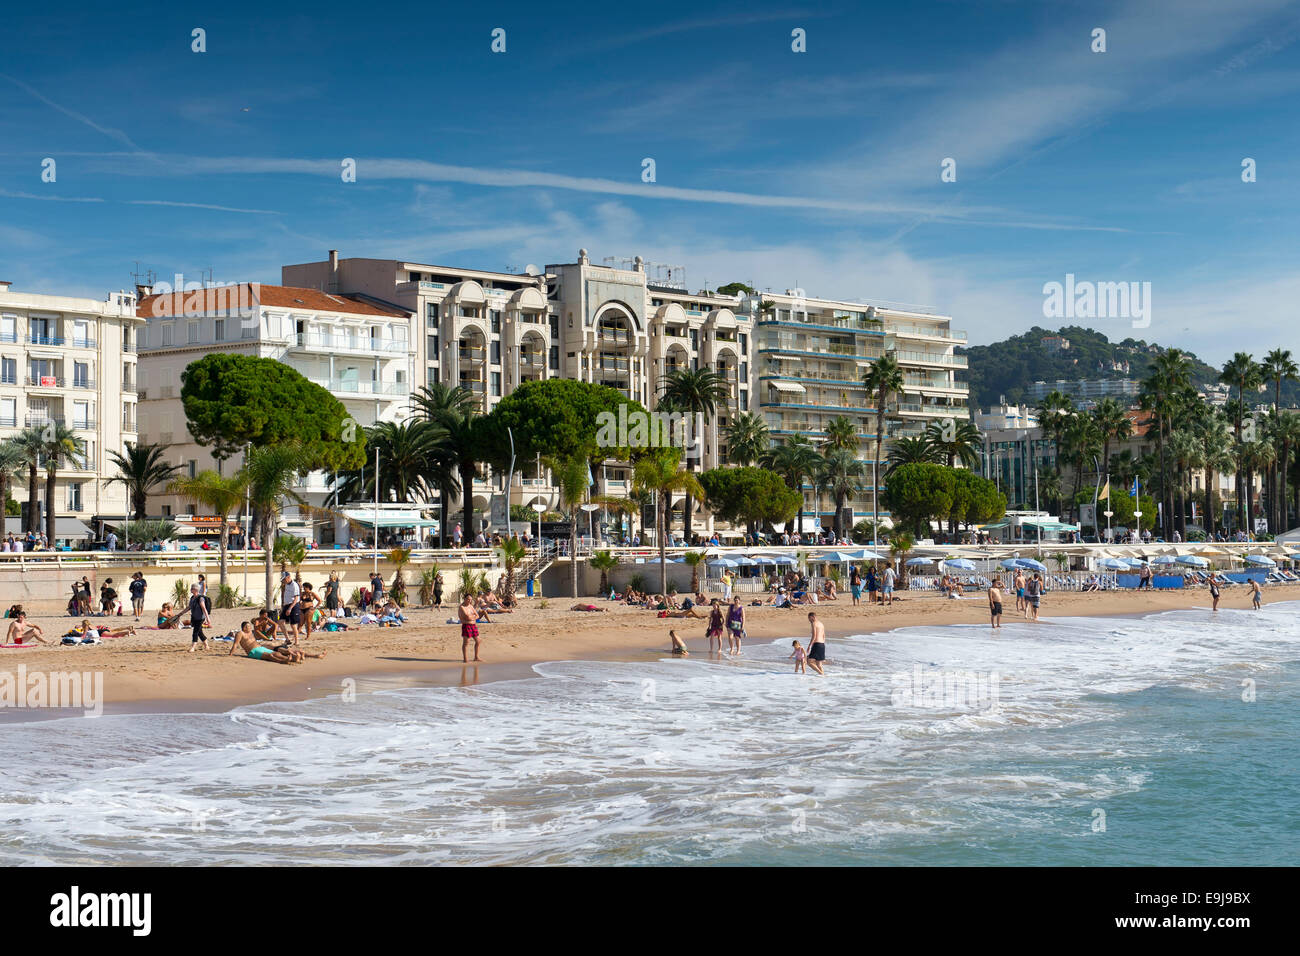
x=468 y=613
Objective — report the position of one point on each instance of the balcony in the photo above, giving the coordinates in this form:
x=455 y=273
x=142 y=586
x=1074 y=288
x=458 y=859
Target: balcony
x=931 y=358
x=612 y=364
x=322 y=342
x=938 y=411
x=471 y=356
x=46 y=340
x=8 y=421
x=8 y=337
x=363 y=388
x=910 y=330
x=46 y=381
x=615 y=339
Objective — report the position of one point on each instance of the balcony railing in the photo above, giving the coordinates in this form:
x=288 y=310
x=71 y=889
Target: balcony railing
x=364 y=388
x=931 y=358
x=929 y=331
x=46 y=340
x=45 y=381
x=8 y=421
x=347 y=343
x=943 y=411
x=10 y=337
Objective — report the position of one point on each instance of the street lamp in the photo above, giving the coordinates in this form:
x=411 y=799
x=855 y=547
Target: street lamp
x=539 y=508
x=591 y=517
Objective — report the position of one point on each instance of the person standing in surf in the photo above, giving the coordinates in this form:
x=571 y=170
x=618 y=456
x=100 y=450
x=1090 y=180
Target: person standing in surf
x=995 y=603
x=735 y=625
x=817 y=643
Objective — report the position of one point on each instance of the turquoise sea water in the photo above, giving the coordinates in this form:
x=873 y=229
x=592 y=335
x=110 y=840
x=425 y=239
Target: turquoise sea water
x=900 y=756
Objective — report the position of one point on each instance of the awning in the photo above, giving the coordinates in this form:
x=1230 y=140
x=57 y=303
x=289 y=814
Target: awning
x=63 y=527
x=995 y=525
x=792 y=387
x=391 y=519
x=1049 y=525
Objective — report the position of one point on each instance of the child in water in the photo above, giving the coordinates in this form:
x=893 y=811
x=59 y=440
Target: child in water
x=798 y=656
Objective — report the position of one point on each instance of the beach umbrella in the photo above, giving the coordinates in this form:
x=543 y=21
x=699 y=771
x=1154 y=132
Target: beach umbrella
x=838 y=556
x=961 y=563
x=1135 y=562
x=742 y=562
x=1031 y=564
x=1112 y=564
x=1261 y=560
x=1009 y=563
x=1165 y=559
x=917 y=562
x=1193 y=560
x=721 y=563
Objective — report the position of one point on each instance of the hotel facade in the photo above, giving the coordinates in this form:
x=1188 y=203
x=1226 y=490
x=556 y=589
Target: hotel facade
x=71 y=362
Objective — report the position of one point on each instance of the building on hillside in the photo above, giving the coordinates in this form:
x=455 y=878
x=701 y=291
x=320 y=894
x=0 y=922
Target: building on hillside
x=1087 y=392
x=1003 y=416
x=356 y=347
x=71 y=362
x=1055 y=343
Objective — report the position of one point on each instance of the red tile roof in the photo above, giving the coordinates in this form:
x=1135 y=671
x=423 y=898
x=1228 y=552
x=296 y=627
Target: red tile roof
x=248 y=294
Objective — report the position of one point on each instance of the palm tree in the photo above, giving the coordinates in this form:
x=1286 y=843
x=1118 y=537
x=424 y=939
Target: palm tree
x=661 y=473
x=693 y=560
x=1241 y=371
x=570 y=475
x=604 y=562
x=1255 y=457
x=962 y=442
x=399 y=558
x=1286 y=434
x=747 y=438
x=844 y=475
x=1053 y=410
x=12 y=458
x=1112 y=423
x=289 y=551
x=1186 y=453
x=408 y=453
x=840 y=433
x=1165 y=393
x=456 y=410
x=219 y=494
x=883 y=380
x=1214 y=454
x=1083 y=443
x=59 y=442
x=795 y=460
x=1278 y=366
x=900 y=543
x=141 y=469
x=512 y=553
x=697 y=393
x=31 y=441
x=911 y=450
x=272 y=474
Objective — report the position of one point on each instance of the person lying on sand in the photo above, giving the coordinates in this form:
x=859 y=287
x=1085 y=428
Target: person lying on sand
x=20 y=630
x=246 y=642
x=686 y=612
x=588 y=607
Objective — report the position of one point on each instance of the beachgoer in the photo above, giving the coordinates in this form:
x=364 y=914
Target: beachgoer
x=468 y=614
x=715 y=628
x=137 y=588
x=1255 y=593
x=817 y=643
x=887 y=594
x=290 y=597
x=679 y=646
x=995 y=602
x=198 y=618
x=437 y=590
x=332 y=588
x=1214 y=592
x=799 y=656
x=735 y=626
x=1020 y=590
x=1033 y=595
x=20 y=630
x=855 y=585
x=587 y=607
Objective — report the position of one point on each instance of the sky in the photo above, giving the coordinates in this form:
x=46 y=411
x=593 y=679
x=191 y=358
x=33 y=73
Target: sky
x=820 y=169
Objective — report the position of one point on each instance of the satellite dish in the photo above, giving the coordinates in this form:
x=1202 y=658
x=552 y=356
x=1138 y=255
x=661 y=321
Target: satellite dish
x=532 y=270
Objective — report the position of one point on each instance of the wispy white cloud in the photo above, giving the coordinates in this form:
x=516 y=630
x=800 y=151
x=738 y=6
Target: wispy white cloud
x=198 y=205
x=109 y=131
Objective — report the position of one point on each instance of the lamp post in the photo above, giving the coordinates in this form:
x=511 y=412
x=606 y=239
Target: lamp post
x=376 y=509
x=591 y=509
x=539 y=508
x=248 y=517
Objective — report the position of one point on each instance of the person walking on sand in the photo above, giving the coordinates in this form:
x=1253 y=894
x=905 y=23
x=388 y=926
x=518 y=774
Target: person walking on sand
x=817 y=644
x=198 y=618
x=855 y=585
x=715 y=627
x=290 y=601
x=995 y=603
x=137 y=588
x=468 y=614
x=1255 y=593
x=735 y=625
x=726 y=587
x=798 y=655
x=886 y=593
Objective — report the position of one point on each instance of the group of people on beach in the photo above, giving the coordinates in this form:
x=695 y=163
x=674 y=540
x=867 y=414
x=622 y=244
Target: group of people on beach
x=733 y=624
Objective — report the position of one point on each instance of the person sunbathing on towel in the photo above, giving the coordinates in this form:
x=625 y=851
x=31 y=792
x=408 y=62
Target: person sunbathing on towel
x=20 y=630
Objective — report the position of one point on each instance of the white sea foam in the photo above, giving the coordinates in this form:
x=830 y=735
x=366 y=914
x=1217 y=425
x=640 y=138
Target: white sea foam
x=644 y=762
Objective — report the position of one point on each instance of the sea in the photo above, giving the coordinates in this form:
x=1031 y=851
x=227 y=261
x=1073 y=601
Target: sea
x=1169 y=739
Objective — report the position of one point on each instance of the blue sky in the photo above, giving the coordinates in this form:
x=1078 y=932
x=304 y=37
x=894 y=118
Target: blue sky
x=818 y=169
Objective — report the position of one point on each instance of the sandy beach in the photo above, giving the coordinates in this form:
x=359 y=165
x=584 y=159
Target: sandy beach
x=154 y=670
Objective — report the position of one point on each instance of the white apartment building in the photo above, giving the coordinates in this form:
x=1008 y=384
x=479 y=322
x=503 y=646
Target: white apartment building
x=71 y=362
x=359 y=349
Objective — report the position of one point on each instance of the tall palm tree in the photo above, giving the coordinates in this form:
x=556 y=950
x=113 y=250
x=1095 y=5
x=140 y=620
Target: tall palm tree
x=844 y=478
x=221 y=495
x=697 y=393
x=141 y=468
x=1185 y=451
x=1082 y=441
x=408 y=453
x=570 y=476
x=747 y=438
x=1165 y=393
x=32 y=442
x=1256 y=456
x=58 y=443
x=1214 y=454
x=662 y=474
x=883 y=381
x=1278 y=366
x=457 y=411
x=1112 y=423
x=959 y=441
x=12 y=459
x=272 y=474
x=1242 y=372
x=1053 y=411
x=840 y=433
x=1286 y=436
x=795 y=460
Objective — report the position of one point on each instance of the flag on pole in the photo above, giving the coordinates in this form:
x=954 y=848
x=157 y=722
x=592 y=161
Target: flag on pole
x=1105 y=492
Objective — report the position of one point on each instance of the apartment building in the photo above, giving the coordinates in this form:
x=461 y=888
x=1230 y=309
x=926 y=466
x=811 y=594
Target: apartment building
x=360 y=349
x=71 y=362
x=1087 y=392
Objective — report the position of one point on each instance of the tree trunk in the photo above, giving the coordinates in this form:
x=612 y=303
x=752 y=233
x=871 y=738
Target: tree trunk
x=663 y=535
x=225 y=546
x=1210 y=478
x=1281 y=488
x=49 y=506
x=467 y=504
x=33 y=522
x=266 y=553
x=573 y=549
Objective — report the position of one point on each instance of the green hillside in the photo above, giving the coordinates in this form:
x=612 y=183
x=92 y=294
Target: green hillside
x=1008 y=368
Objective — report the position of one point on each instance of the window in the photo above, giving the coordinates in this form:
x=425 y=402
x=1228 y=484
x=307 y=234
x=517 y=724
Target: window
x=744 y=345
x=9 y=371
x=432 y=375
x=555 y=358
x=431 y=315
x=8 y=411
x=81 y=333
x=80 y=375
x=167 y=511
x=496 y=383
x=8 y=328
x=192 y=332
x=496 y=353
x=495 y=317
x=432 y=346
x=192 y=467
x=74 y=495
x=219 y=330
x=81 y=414
x=744 y=400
